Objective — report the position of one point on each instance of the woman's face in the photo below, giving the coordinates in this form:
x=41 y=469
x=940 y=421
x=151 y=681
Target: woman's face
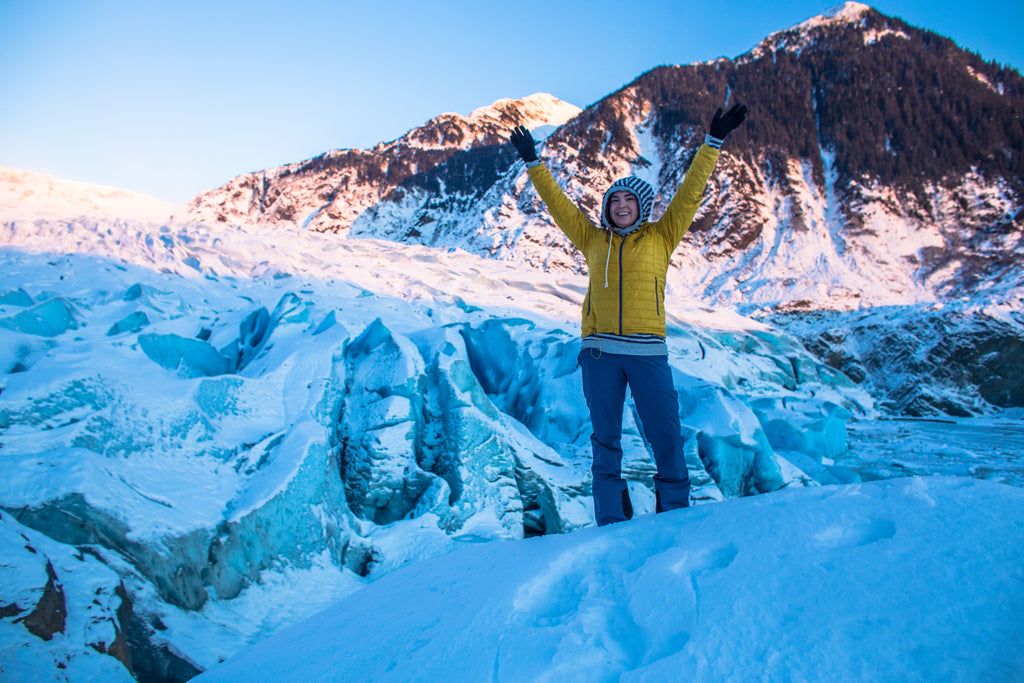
x=623 y=208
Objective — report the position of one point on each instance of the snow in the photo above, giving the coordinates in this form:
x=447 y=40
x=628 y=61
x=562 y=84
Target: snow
x=796 y=38
x=848 y=12
x=244 y=428
x=874 y=36
x=910 y=579
x=28 y=195
x=541 y=113
x=539 y=109
x=23 y=576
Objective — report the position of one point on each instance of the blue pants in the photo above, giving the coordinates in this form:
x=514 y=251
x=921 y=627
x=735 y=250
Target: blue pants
x=605 y=377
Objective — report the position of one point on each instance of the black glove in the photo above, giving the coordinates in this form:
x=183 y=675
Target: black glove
x=722 y=125
x=524 y=144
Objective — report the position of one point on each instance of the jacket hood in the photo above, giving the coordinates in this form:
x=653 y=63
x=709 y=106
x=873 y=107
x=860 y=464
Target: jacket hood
x=644 y=194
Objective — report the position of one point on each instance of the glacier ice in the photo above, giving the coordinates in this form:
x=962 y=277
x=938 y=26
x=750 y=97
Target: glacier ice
x=253 y=333
x=133 y=322
x=210 y=435
x=730 y=440
x=383 y=480
x=814 y=427
x=16 y=297
x=187 y=356
x=48 y=319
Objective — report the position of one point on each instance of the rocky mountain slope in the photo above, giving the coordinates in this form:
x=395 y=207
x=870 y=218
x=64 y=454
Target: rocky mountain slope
x=940 y=359
x=327 y=193
x=881 y=165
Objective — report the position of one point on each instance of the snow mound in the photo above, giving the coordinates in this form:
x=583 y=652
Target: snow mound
x=25 y=195
x=792 y=585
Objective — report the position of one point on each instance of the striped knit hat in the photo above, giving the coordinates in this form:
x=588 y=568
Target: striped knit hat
x=644 y=193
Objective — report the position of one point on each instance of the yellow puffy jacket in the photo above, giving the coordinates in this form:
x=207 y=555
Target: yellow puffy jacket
x=634 y=300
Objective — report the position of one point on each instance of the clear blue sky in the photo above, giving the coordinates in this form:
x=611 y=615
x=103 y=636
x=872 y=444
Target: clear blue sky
x=172 y=98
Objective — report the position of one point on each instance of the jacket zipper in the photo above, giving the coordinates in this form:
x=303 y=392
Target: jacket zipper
x=621 y=245
x=657 y=304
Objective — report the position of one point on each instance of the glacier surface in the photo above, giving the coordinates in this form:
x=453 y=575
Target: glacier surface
x=214 y=433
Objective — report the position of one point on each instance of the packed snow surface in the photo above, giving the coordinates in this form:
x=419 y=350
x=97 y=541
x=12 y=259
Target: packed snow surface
x=908 y=579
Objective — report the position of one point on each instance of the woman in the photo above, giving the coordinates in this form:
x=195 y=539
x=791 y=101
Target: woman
x=623 y=320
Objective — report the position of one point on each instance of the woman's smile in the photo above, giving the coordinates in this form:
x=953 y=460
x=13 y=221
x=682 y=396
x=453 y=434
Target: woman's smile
x=623 y=208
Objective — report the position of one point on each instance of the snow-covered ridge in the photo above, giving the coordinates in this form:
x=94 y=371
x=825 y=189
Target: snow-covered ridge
x=26 y=195
x=535 y=108
x=848 y=13
x=534 y=111
x=329 y=192
x=797 y=37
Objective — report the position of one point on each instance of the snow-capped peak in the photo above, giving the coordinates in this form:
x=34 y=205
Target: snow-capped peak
x=848 y=12
x=539 y=109
x=796 y=37
x=449 y=130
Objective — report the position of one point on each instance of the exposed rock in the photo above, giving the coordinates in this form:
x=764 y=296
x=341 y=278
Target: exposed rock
x=50 y=613
x=948 y=360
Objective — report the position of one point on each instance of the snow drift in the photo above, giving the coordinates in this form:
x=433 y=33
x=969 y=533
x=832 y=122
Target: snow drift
x=912 y=579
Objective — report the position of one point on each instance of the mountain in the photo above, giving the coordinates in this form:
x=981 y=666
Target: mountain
x=880 y=165
x=327 y=193
x=25 y=195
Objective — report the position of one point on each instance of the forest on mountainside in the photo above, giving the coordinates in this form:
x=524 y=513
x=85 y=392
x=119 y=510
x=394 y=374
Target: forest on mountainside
x=905 y=109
